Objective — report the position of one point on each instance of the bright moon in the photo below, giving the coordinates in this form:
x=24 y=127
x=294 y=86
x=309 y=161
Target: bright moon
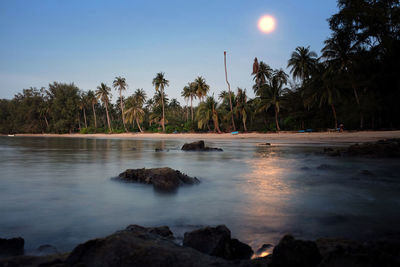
x=267 y=24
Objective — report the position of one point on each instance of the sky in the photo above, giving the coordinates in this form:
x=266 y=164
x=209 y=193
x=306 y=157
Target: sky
x=89 y=42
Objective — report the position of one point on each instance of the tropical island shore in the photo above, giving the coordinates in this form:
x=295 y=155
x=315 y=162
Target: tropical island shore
x=281 y=137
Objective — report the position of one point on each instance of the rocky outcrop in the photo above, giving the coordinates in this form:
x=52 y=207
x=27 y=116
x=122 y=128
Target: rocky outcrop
x=12 y=246
x=216 y=241
x=198 y=146
x=164 y=179
x=295 y=253
x=387 y=148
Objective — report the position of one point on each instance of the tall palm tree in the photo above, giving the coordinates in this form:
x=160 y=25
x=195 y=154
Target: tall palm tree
x=92 y=100
x=135 y=110
x=302 y=63
x=229 y=90
x=202 y=87
x=242 y=107
x=208 y=111
x=121 y=85
x=263 y=74
x=103 y=93
x=186 y=95
x=82 y=105
x=159 y=82
x=271 y=92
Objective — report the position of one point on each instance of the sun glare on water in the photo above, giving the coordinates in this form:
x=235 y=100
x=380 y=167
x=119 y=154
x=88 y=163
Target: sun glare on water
x=267 y=24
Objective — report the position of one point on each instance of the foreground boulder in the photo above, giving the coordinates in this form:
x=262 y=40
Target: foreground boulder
x=216 y=241
x=198 y=146
x=164 y=179
x=11 y=247
x=138 y=246
x=295 y=253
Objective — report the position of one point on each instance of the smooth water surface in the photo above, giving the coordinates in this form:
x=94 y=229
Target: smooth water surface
x=59 y=191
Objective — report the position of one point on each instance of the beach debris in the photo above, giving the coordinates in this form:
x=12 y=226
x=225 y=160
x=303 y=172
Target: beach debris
x=198 y=146
x=164 y=179
x=216 y=241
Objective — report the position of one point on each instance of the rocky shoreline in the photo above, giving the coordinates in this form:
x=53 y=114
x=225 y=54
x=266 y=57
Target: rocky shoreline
x=209 y=246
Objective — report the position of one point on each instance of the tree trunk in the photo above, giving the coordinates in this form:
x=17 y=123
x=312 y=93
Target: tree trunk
x=108 y=119
x=276 y=119
x=84 y=116
x=359 y=106
x=122 y=110
x=47 y=123
x=229 y=91
x=79 y=121
x=94 y=114
x=191 y=106
x=334 y=115
x=163 y=112
x=244 y=125
x=138 y=124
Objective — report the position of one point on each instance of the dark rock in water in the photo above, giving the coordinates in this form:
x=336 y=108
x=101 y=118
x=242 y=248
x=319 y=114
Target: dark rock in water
x=332 y=152
x=165 y=179
x=138 y=247
x=198 y=146
x=55 y=260
x=216 y=241
x=295 y=253
x=161 y=150
x=44 y=250
x=305 y=168
x=366 y=173
x=381 y=148
x=12 y=246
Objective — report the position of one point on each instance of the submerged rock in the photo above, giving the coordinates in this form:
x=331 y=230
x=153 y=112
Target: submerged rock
x=216 y=241
x=165 y=179
x=198 y=146
x=381 y=148
x=12 y=246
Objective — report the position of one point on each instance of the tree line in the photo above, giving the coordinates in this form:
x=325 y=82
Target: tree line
x=355 y=81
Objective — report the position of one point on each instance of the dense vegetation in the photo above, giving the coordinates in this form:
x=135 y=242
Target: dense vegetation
x=355 y=81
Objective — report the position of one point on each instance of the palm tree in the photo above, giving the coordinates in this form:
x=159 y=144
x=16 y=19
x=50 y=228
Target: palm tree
x=186 y=95
x=242 y=108
x=302 y=63
x=264 y=72
x=103 y=93
x=159 y=82
x=202 y=87
x=121 y=85
x=82 y=105
x=91 y=98
x=229 y=90
x=270 y=93
x=208 y=111
x=135 y=110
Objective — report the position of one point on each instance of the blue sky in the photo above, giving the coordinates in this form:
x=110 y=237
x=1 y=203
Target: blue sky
x=89 y=42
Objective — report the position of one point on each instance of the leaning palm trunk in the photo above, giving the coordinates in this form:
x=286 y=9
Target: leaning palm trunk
x=334 y=115
x=229 y=90
x=163 y=111
x=94 y=114
x=138 y=124
x=108 y=119
x=244 y=124
x=84 y=116
x=276 y=119
x=191 y=106
x=122 y=110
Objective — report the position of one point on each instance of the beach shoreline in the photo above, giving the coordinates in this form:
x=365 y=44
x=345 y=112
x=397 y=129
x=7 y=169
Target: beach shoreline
x=282 y=137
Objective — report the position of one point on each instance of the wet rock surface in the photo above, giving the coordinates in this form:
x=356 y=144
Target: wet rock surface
x=12 y=246
x=163 y=179
x=198 y=146
x=216 y=241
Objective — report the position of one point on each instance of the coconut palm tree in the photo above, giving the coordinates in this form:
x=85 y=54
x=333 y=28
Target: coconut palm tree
x=135 y=112
x=121 y=85
x=302 y=63
x=229 y=91
x=103 y=93
x=242 y=108
x=83 y=101
x=92 y=100
x=271 y=92
x=264 y=72
x=208 y=111
x=159 y=82
x=186 y=95
x=202 y=87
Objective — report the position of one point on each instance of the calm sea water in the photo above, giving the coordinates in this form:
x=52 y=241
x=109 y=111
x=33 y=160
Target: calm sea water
x=59 y=191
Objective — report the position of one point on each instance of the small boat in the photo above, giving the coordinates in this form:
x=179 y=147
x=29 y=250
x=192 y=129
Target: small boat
x=235 y=132
x=11 y=135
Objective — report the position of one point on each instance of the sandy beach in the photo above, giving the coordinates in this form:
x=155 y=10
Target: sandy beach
x=282 y=137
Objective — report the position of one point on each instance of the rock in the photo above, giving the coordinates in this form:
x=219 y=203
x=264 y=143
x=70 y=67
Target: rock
x=198 y=146
x=325 y=167
x=332 y=152
x=164 y=179
x=56 y=260
x=381 y=148
x=163 y=231
x=295 y=253
x=216 y=241
x=12 y=246
x=44 y=250
x=366 y=173
x=139 y=246
x=161 y=150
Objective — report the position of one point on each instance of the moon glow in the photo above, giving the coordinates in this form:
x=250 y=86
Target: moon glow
x=267 y=24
